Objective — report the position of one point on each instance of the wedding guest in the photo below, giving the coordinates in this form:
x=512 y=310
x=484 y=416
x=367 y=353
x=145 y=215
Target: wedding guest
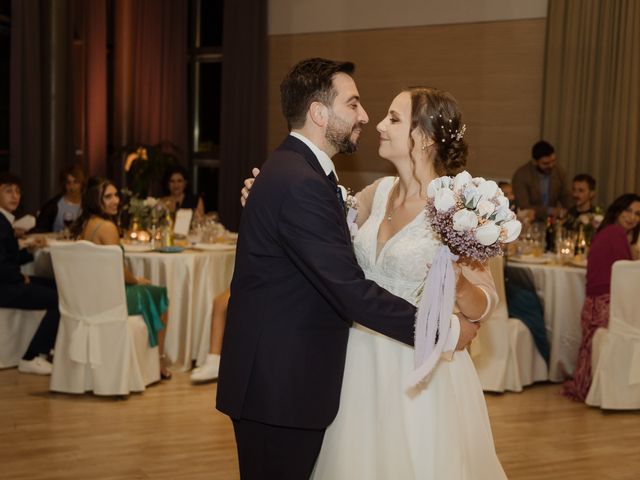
x=96 y=224
x=613 y=241
x=21 y=291
x=541 y=184
x=208 y=371
x=175 y=183
x=507 y=189
x=60 y=211
x=584 y=192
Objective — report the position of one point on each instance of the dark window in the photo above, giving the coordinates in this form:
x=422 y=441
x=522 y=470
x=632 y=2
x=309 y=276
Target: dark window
x=211 y=23
x=208 y=115
x=205 y=87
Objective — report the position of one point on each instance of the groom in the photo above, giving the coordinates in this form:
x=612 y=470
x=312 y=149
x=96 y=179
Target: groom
x=297 y=286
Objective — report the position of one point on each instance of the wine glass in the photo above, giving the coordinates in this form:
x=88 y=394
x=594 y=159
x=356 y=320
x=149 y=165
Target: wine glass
x=67 y=218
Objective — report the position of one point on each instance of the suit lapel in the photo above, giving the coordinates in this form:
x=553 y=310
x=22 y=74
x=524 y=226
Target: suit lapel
x=292 y=143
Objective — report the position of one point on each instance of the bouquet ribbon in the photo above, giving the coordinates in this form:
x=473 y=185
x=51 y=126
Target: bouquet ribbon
x=433 y=317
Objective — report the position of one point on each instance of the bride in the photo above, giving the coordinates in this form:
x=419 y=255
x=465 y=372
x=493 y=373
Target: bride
x=439 y=430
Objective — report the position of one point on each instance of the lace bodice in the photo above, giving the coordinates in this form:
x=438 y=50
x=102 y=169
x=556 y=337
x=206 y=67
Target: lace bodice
x=401 y=264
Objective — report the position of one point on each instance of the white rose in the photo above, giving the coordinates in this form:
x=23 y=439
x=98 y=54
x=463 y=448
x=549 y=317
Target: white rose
x=437 y=184
x=488 y=189
x=445 y=199
x=460 y=180
x=584 y=219
x=150 y=202
x=503 y=214
x=464 y=220
x=478 y=180
x=512 y=228
x=471 y=196
x=488 y=233
x=485 y=208
x=503 y=202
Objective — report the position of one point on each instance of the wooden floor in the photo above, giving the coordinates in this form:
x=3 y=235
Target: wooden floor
x=172 y=431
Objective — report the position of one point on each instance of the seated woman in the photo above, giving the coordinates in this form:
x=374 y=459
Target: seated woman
x=208 y=371
x=60 y=211
x=612 y=242
x=96 y=224
x=174 y=182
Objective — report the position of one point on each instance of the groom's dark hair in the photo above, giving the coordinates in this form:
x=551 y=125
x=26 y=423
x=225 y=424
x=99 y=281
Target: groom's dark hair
x=309 y=81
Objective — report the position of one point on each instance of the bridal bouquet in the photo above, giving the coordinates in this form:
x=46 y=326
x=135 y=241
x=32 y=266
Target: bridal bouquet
x=472 y=218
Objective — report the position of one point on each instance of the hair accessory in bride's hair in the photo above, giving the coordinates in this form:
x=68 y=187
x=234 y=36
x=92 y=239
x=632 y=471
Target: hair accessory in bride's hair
x=458 y=134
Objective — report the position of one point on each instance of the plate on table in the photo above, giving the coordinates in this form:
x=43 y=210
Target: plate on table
x=529 y=259
x=579 y=262
x=170 y=249
x=220 y=247
x=137 y=247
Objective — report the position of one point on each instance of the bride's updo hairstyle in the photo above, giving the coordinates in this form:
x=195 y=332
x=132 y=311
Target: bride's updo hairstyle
x=435 y=112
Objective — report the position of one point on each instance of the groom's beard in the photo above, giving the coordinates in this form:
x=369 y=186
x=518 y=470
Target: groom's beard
x=339 y=134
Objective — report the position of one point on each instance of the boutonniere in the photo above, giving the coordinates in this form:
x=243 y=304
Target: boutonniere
x=350 y=209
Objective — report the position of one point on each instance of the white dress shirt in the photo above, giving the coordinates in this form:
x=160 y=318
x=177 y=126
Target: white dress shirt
x=325 y=161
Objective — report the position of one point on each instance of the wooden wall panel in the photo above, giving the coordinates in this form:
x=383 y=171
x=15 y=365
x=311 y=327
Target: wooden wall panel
x=494 y=69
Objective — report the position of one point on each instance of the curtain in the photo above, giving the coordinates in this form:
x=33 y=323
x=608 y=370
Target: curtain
x=591 y=104
x=26 y=101
x=95 y=87
x=243 y=110
x=159 y=95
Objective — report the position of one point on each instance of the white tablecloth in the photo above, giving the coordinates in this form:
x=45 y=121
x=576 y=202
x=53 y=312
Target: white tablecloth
x=561 y=291
x=193 y=279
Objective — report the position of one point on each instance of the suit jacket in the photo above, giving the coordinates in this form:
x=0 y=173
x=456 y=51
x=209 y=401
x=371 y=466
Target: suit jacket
x=11 y=257
x=526 y=188
x=47 y=215
x=296 y=289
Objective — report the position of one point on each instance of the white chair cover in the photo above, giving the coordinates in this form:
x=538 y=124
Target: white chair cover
x=504 y=353
x=99 y=347
x=17 y=328
x=616 y=350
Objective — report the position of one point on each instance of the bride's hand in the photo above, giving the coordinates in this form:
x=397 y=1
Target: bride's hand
x=468 y=331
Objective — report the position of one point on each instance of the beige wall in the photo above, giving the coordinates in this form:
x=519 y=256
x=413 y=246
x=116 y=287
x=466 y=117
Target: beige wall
x=305 y=16
x=494 y=69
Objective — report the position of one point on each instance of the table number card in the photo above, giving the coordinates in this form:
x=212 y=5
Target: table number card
x=183 y=221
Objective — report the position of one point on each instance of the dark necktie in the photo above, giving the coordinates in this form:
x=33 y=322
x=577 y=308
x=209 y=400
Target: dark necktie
x=334 y=180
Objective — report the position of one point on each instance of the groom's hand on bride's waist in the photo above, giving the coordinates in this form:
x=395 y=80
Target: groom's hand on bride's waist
x=248 y=183
x=468 y=331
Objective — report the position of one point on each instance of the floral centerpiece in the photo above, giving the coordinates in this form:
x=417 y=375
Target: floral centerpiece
x=587 y=222
x=473 y=220
x=144 y=214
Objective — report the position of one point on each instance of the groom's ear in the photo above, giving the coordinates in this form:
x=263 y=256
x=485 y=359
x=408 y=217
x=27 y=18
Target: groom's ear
x=318 y=113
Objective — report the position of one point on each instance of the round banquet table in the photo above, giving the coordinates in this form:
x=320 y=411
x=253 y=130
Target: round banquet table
x=561 y=290
x=193 y=279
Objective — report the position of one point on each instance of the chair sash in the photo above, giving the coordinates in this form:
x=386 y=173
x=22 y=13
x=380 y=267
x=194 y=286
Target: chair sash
x=84 y=345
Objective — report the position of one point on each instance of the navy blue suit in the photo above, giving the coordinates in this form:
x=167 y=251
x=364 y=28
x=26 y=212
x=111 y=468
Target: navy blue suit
x=296 y=289
x=39 y=294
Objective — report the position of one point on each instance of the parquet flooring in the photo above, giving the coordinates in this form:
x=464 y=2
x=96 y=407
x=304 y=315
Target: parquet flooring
x=172 y=431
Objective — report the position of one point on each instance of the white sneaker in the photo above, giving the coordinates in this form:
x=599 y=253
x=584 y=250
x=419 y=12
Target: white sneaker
x=208 y=371
x=37 y=365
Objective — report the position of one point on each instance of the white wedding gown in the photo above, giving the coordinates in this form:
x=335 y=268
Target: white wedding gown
x=382 y=431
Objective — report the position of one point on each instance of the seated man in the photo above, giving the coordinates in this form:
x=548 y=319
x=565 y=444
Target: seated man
x=21 y=291
x=541 y=184
x=584 y=211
